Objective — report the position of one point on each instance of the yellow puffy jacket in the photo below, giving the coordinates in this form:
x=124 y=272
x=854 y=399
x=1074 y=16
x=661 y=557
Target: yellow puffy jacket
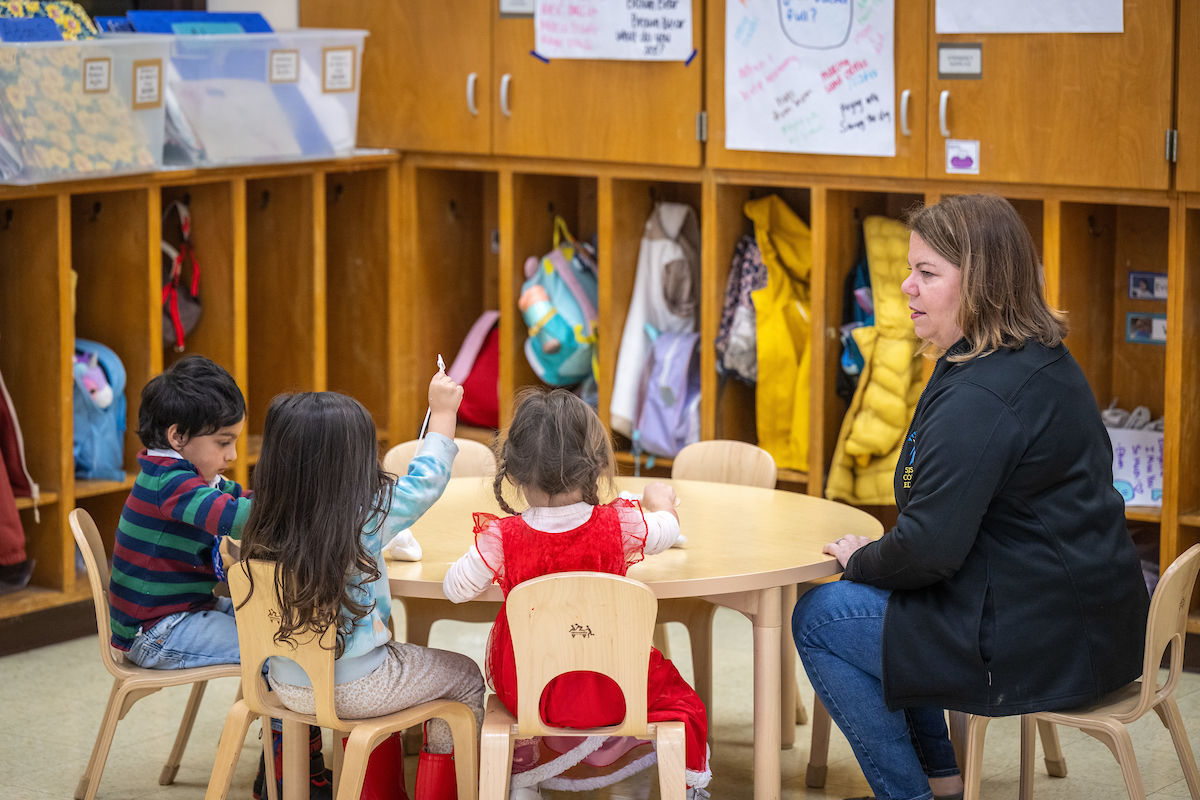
x=781 y=312
x=872 y=434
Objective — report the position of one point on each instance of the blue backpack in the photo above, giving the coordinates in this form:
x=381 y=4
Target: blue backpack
x=99 y=445
x=558 y=301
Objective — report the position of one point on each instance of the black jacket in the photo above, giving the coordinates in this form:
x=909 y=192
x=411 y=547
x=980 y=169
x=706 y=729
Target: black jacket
x=1015 y=586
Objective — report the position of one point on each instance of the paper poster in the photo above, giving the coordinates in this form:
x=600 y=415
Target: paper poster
x=617 y=30
x=1138 y=465
x=1030 y=16
x=810 y=76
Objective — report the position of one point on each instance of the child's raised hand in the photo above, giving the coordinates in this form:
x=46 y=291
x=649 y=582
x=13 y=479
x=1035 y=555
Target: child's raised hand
x=658 y=497
x=444 y=398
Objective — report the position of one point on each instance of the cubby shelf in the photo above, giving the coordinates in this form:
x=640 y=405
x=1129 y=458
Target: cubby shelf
x=1190 y=518
x=1143 y=513
x=44 y=499
x=97 y=488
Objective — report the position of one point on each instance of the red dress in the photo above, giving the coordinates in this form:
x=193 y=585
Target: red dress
x=515 y=553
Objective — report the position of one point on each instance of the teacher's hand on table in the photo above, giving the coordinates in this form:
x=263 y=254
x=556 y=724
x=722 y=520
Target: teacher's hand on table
x=844 y=547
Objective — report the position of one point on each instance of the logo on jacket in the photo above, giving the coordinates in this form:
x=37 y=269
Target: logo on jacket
x=911 y=442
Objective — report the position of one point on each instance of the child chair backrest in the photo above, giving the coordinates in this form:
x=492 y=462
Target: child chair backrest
x=1167 y=625
x=257 y=623
x=83 y=527
x=581 y=622
x=725 y=461
x=474 y=460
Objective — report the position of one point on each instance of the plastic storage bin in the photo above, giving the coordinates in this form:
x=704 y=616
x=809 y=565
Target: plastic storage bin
x=79 y=109
x=233 y=98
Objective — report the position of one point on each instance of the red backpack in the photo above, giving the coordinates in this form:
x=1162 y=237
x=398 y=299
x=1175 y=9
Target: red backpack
x=477 y=369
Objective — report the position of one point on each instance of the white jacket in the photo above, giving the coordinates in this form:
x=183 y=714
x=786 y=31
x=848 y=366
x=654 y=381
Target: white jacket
x=666 y=294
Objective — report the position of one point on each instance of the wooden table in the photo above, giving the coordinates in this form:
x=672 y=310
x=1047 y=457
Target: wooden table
x=744 y=544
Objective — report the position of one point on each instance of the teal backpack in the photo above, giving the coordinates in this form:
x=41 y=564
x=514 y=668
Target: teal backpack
x=99 y=415
x=558 y=301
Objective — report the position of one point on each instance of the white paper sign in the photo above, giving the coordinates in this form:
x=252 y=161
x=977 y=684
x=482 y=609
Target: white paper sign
x=1030 y=16
x=618 y=30
x=962 y=156
x=810 y=76
x=1138 y=465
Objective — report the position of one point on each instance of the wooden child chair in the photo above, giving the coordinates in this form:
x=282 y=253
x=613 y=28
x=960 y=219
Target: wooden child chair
x=314 y=653
x=1106 y=719
x=131 y=682
x=545 y=616
x=474 y=459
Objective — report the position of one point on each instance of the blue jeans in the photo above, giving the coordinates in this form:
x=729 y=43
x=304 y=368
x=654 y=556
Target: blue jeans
x=189 y=639
x=838 y=629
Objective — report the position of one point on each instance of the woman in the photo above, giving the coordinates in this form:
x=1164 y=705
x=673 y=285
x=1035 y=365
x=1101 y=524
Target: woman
x=1009 y=584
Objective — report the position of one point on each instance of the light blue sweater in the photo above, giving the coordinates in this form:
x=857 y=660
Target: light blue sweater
x=366 y=644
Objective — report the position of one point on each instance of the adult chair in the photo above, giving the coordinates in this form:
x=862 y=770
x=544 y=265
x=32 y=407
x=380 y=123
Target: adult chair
x=314 y=652
x=545 y=618
x=131 y=682
x=1166 y=626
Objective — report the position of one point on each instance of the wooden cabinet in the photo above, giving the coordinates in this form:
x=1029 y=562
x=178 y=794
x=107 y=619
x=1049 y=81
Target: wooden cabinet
x=426 y=71
x=1187 y=169
x=638 y=111
x=300 y=278
x=911 y=25
x=1063 y=108
x=458 y=77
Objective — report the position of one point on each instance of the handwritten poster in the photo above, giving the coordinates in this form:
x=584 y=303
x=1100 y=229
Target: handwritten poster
x=810 y=76
x=619 y=30
x=1030 y=16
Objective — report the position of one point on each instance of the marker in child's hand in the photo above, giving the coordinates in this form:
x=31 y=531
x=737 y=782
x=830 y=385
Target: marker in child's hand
x=428 y=412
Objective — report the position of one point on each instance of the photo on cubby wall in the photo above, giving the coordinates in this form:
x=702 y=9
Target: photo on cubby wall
x=1143 y=328
x=1147 y=285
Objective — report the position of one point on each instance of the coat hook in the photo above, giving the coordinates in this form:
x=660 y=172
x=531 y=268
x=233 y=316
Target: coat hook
x=454 y=209
x=550 y=205
x=95 y=211
x=1093 y=230
x=266 y=198
x=338 y=188
x=8 y=215
x=187 y=199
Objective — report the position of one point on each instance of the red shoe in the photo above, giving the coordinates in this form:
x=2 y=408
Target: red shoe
x=385 y=771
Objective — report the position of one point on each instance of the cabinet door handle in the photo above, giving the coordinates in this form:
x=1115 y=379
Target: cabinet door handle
x=904 y=129
x=943 y=101
x=471 y=81
x=505 y=82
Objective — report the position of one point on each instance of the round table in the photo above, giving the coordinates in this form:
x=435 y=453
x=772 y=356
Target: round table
x=743 y=545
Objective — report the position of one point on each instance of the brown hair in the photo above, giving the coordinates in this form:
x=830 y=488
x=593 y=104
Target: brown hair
x=318 y=488
x=1000 y=296
x=555 y=444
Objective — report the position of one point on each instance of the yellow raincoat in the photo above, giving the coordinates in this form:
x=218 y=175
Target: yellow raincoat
x=781 y=312
x=872 y=434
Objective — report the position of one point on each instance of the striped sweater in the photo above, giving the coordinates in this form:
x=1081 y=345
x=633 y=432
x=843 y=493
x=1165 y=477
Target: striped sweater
x=162 y=561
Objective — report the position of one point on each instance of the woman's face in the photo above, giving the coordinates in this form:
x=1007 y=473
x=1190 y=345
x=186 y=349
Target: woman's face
x=932 y=289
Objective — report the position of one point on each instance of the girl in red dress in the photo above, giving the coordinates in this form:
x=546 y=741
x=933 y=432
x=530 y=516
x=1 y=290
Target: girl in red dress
x=558 y=458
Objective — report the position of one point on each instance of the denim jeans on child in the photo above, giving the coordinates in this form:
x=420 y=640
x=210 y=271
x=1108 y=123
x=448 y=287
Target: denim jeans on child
x=838 y=629
x=189 y=639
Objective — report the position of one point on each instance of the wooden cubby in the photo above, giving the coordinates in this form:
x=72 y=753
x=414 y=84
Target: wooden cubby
x=358 y=273
x=535 y=199
x=627 y=205
x=454 y=236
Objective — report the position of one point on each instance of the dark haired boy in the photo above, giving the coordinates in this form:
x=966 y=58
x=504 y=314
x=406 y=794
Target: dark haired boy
x=163 y=610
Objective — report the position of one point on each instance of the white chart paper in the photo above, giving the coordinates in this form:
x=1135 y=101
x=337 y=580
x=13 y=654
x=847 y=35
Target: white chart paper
x=1030 y=16
x=810 y=76
x=618 y=30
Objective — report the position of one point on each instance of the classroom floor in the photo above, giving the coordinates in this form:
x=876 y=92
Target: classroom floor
x=52 y=700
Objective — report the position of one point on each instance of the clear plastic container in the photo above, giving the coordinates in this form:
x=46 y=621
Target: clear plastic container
x=236 y=98
x=81 y=109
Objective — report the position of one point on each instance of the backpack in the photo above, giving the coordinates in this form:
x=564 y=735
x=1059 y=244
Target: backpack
x=99 y=445
x=558 y=301
x=181 y=304
x=668 y=417
x=477 y=369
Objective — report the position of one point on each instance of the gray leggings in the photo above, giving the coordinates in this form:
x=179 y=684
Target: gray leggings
x=409 y=675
